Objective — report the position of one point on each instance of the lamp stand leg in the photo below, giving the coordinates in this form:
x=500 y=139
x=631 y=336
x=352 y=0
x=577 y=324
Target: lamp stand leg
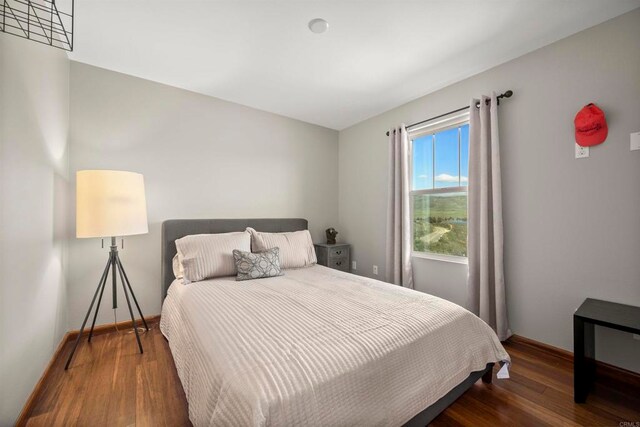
x=131 y=290
x=104 y=283
x=133 y=320
x=84 y=322
x=112 y=254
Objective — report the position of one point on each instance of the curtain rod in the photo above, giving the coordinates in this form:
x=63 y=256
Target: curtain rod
x=507 y=94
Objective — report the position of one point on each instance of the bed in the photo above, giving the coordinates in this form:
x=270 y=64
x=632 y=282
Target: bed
x=316 y=346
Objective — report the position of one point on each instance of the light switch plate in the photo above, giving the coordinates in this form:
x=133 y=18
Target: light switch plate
x=635 y=141
x=353 y=265
x=581 y=152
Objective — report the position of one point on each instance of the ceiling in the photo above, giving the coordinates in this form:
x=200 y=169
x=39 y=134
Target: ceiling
x=375 y=56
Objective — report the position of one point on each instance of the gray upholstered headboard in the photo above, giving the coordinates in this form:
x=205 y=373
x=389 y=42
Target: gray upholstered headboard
x=174 y=229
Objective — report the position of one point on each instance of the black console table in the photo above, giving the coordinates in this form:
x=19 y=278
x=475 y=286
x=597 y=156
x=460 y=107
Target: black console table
x=596 y=312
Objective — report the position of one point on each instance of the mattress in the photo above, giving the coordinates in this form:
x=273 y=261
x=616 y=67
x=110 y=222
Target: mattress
x=318 y=347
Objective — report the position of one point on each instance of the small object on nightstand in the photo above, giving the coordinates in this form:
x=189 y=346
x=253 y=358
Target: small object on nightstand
x=331 y=235
x=336 y=256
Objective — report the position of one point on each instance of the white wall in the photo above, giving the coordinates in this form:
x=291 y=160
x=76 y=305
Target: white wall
x=572 y=227
x=34 y=118
x=201 y=158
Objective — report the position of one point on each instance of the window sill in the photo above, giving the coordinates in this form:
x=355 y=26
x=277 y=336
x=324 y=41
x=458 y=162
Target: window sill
x=438 y=257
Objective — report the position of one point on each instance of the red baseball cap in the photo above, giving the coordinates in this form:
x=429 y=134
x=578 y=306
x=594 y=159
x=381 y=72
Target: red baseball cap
x=591 y=126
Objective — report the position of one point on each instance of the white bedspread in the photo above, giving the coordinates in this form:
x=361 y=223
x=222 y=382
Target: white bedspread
x=318 y=347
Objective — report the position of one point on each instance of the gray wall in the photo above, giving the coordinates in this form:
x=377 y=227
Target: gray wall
x=34 y=118
x=572 y=227
x=201 y=158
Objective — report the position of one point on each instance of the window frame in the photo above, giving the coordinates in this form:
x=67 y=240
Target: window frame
x=453 y=121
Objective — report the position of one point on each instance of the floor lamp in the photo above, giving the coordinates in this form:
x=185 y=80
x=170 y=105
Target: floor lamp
x=109 y=204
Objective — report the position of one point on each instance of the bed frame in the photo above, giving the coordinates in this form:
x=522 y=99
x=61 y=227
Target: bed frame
x=176 y=228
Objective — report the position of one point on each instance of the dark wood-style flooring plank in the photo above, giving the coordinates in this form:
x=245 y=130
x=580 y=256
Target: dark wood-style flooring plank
x=540 y=392
x=111 y=384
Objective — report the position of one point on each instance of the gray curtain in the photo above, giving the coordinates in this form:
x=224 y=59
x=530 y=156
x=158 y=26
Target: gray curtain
x=398 y=249
x=486 y=287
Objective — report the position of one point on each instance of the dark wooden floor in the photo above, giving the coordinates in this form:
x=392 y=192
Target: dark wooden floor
x=539 y=393
x=110 y=384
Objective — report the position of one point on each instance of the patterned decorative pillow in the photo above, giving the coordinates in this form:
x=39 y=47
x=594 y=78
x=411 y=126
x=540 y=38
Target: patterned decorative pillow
x=257 y=265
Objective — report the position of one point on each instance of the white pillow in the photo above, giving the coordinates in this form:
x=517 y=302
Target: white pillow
x=205 y=256
x=296 y=247
x=178 y=271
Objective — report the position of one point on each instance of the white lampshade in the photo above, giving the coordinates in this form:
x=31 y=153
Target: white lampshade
x=110 y=203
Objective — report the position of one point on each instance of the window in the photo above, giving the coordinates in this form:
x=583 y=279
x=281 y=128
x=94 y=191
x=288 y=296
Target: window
x=439 y=180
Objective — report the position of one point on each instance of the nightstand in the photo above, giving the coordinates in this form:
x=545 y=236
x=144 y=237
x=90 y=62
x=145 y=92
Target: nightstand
x=336 y=256
x=605 y=314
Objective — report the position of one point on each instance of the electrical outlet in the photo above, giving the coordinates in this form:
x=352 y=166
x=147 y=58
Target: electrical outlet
x=635 y=141
x=375 y=270
x=581 y=152
x=353 y=265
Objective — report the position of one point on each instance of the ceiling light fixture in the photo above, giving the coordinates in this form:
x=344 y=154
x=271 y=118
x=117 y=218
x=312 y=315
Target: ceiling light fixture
x=39 y=21
x=318 y=25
